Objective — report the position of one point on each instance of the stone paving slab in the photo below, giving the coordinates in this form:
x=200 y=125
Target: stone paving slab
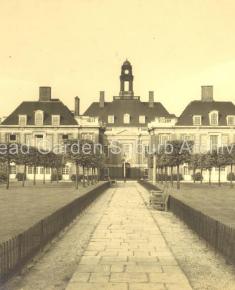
x=127 y=250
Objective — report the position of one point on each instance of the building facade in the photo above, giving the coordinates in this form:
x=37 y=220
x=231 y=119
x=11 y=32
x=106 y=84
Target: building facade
x=209 y=124
x=47 y=123
x=126 y=126
x=126 y=120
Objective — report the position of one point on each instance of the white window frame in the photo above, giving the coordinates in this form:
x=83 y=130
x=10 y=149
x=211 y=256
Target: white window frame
x=111 y=119
x=22 y=120
x=87 y=136
x=55 y=120
x=126 y=118
x=37 y=114
x=233 y=118
x=164 y=138
x=142 y=119
x=210 y=118
x=197 y=117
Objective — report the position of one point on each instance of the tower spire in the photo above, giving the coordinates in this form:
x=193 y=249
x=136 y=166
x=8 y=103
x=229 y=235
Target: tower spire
x=126 y=81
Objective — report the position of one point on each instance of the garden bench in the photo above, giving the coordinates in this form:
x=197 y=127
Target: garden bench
x=158 y=199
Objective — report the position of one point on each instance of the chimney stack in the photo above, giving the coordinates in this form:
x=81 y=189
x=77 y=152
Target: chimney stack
x=207 y=93
x=44 y=94
x=77 y=107
x=151 y=99
x=101 y=99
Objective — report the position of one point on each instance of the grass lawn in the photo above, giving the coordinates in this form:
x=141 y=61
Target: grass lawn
x=217 y=202
x=21 y=207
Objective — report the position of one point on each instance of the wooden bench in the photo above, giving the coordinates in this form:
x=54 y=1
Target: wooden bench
x=113 y=182
x=158 y=199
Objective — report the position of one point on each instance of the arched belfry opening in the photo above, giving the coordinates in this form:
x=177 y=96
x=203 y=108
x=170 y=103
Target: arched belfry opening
x=126 y=81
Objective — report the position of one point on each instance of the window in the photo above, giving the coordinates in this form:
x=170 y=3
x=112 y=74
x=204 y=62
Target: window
x=87 y=136
x=213 y=142
x=186 y=171
x=213 y=116
x=65 y=170
x=22 y=120
x=197 y=120
x=30 y=170
x=12 y=137
x=12 y=169
x=142 y=119
x=39 y=118
x=48 y=170
x=146 y=151
x=231 y=120
x=38 y=140
x=186 y=137
x=111 y=119
x=126 y=119
x=163 y=138
x=127 y=150
x=55 y=120
x=65 y=136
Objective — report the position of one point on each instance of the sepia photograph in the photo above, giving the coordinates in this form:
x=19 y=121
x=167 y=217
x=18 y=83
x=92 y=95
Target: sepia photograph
x=117 y=145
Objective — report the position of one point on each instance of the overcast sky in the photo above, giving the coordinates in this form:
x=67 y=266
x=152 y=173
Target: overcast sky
x=77 y=47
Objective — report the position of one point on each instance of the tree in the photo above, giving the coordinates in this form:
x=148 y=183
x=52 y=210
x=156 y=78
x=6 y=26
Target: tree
x=229 y=154
x=80 y=152
x=8 y=153
x=179 y=154
x=194 y=163
x=220 y=160
x=209 y=163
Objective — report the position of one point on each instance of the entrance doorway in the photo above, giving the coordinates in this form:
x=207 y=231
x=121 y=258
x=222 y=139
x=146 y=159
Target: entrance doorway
x=128 y=170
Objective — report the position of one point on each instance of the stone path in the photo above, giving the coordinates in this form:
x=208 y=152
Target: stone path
x=127 y=250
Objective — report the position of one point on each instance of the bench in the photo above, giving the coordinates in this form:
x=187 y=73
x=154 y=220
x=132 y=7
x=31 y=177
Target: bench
x=158 y=199
x=113 y=183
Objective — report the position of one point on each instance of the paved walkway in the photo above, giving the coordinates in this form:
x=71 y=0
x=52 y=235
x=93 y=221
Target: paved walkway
x=127 y=250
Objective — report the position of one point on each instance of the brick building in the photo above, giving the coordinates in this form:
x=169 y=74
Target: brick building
x=208 y=123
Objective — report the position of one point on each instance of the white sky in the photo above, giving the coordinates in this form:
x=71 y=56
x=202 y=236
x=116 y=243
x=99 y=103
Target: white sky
x=78 y=46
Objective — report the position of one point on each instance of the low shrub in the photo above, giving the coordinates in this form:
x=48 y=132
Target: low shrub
x=3 y=177
x=20 y=176
x=197 y=176
x=231 y=174
x=54 y=177
x=73 y=177
x=163 y=177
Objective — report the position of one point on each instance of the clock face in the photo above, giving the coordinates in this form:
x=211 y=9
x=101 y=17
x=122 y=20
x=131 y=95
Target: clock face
x=126 y=71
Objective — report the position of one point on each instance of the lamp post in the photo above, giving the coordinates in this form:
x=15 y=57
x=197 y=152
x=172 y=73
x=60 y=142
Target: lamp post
x=154 y=167
x=124 y=167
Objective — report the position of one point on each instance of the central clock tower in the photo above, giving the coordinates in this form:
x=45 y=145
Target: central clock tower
x=126 y=81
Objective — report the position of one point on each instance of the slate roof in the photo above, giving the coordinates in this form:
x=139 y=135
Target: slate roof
x=53 y=107
x=203 y=109
x=134 y=108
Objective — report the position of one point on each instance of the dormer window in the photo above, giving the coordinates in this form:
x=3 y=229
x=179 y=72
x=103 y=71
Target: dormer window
x=22 y=120
x=231 y=120
x=213 y=117
x=126 y=119
x=197 y=120
x=111 y=119
x=142 y=119
x=39 y=118
x=55 y=120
